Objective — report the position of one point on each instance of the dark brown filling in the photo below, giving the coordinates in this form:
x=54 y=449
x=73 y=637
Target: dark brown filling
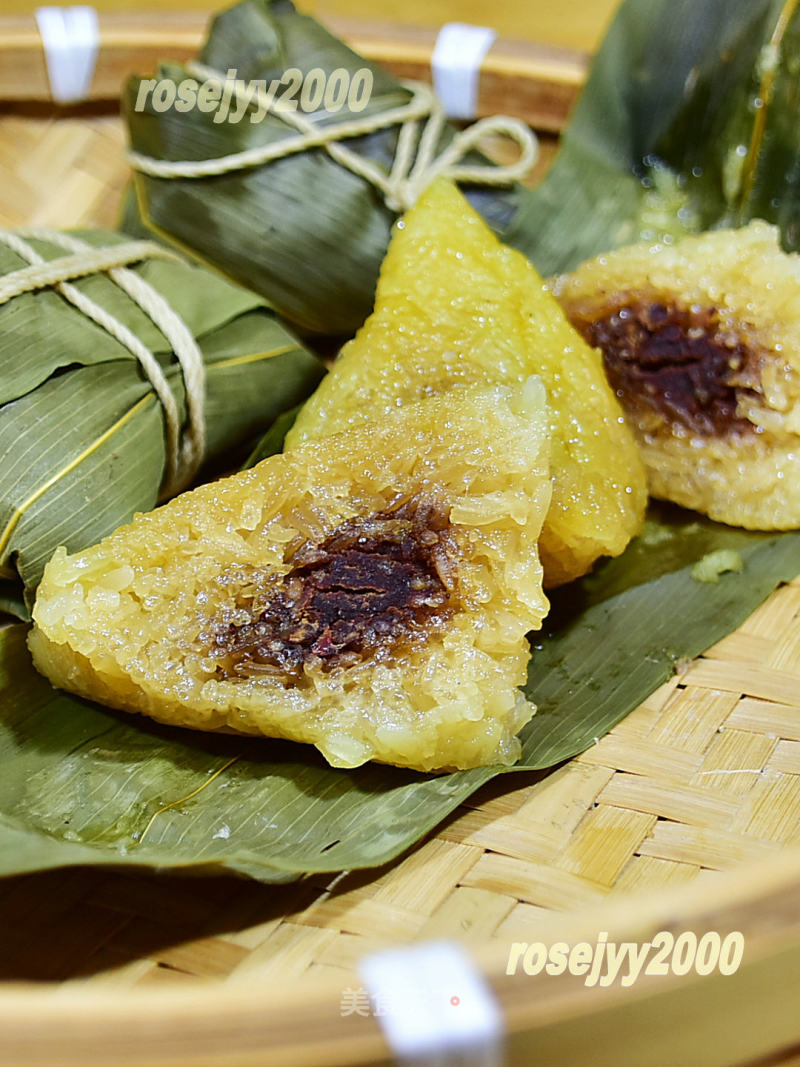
x=677 y=362
x=372 y=583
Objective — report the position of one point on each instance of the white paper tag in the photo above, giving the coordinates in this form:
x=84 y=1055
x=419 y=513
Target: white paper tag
x=71 y=41
x=456 y=64
x=434 y=1006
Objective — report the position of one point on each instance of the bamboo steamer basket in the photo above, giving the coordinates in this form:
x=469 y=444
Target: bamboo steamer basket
x=686 y=817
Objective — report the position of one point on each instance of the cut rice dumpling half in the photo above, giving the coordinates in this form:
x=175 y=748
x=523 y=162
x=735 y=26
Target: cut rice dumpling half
x=369 y=594
x=454 y=307
x=701 y=341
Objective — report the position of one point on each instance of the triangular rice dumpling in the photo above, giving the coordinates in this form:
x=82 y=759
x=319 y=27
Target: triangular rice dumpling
x=369 y=593
x=701 y=339
x=455 y=306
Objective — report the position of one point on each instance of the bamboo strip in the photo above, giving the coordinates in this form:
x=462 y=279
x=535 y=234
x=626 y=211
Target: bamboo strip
x=734 y=760
x=546 y=886
x=762 y=716
x=780 y=686
x=679 y=803
x=692 y=718
x=605 y=841
x=785 y=758
x=718 y=849
x=640 y=757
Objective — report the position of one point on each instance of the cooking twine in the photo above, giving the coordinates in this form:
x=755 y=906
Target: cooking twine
x=415 y=162
x=184 y=450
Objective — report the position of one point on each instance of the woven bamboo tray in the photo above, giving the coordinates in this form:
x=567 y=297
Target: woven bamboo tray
x=685 y=817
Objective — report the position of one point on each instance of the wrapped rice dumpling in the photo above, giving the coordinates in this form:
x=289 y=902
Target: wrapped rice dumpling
x=454 y=307
x=701 y=341
x=303 y=230
x=369 y=594
x=84 y=432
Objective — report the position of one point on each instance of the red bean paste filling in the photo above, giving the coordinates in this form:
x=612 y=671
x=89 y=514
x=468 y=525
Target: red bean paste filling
x=677 y=362
x=374 y=582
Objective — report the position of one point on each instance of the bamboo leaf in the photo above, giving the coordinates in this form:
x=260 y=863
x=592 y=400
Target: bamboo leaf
x=618 y=634
x=304 y=231
x=687 y=122
x=272 y=441
x=80 y=426
x=30 y=322
x=82 y=784
x=65 y=441
x=12 y=600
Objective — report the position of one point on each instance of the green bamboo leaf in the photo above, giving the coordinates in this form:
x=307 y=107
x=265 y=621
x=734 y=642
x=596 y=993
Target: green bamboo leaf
x=32 y=321
x=12 y=600
x=83 y=784
x=86 y=449
x=273 y=439
x=66 y=442
x=618 y=634
x=80 y=426
x=768 y=186
x=688 y=122
x=304 y=231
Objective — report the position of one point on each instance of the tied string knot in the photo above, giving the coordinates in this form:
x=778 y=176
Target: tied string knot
x=185 y=449
x=415 y=162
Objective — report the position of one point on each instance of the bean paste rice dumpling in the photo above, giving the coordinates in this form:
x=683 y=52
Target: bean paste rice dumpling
x=454 y=306
x=701 y=341
x=369 y=593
